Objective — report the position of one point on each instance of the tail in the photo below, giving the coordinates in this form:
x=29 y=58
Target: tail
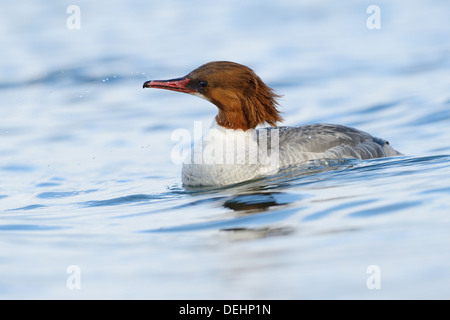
x=391 y=152
x=388 y=150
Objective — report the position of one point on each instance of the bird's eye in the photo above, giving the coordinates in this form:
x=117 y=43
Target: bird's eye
x=203 y=84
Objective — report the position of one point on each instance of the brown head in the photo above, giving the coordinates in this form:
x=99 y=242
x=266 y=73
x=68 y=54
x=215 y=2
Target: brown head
x=243 y=100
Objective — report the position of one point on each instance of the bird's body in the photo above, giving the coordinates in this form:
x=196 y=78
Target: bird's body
x=233 y=150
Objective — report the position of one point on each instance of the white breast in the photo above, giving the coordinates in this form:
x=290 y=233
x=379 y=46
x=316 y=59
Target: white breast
x=226 y=156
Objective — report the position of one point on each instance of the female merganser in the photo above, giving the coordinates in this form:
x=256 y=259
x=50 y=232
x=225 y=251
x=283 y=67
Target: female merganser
x=233 y=150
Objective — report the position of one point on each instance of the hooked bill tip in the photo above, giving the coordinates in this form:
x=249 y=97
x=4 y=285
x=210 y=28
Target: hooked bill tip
x=146 y=83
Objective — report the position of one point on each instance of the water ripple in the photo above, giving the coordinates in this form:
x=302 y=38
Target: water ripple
x=30 y=207
x=396 y=207
x=131 y=199
x=28 y=227
x=62 y=194
x=245 y=222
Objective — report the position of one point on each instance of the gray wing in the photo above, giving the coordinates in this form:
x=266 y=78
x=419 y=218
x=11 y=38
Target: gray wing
x=329 y=141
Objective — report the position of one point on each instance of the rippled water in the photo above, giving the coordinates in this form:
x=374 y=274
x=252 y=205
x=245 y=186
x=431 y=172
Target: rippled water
x=87 y=178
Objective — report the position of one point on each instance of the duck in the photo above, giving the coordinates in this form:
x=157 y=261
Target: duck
x=245 y=142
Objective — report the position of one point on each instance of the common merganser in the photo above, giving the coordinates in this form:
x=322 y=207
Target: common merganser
x=234 y=150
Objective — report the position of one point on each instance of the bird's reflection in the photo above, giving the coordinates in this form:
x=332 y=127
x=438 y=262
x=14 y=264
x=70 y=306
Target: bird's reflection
x=254 y=203
x=255 y=233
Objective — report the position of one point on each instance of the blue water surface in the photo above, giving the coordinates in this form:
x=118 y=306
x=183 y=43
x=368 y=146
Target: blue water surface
x=88 y=181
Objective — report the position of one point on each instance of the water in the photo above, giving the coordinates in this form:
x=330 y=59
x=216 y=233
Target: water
x=92 y=205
